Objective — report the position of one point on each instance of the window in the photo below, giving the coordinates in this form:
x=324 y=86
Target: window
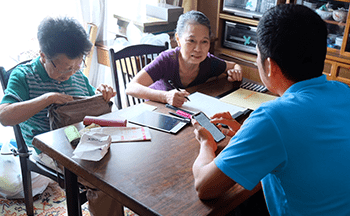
x=19 y=23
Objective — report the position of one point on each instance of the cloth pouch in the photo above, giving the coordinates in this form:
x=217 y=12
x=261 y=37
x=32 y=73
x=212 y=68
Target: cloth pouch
x=61 y=115
x=93 y=146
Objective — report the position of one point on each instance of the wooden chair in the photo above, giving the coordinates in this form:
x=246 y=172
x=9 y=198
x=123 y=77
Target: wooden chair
x=28 y=163
x=91 y=29
x=126 y=63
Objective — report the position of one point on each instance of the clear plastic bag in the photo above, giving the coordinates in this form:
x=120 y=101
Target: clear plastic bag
x=136 y=36
x=11 y=186
x=10 y=173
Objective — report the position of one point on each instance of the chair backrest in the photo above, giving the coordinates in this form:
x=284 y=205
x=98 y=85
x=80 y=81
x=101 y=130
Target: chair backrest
x=126 y=63
x=4 y=78
x=5 y=75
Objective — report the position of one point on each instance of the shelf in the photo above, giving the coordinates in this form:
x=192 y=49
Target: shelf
x=249 y=58
x=238 y=19
x=337 y=57
x=348 y=1
x=335 y=22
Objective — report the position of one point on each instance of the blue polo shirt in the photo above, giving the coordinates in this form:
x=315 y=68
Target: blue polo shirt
x=30 y=81
x=299 y=147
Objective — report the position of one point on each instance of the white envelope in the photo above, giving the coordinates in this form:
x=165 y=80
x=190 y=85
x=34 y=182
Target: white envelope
x=93 y=146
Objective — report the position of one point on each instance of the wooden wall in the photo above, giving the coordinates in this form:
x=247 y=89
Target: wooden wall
x=210 y=9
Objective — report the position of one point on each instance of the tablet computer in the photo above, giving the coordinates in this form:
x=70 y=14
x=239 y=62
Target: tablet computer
x=159 y=121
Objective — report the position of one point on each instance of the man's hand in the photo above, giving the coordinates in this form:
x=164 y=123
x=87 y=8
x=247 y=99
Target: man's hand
x=203 y=136
x=107 y=91
x=176 y=98
x=226 y=119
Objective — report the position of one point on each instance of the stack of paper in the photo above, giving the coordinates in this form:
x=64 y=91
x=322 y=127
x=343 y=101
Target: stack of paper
x=209 y=105
x=247 y=98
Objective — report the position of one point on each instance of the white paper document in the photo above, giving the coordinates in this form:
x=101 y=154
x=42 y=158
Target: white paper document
x=93 y=146
x=95 y=142
x=209 y=105
x=124 y=134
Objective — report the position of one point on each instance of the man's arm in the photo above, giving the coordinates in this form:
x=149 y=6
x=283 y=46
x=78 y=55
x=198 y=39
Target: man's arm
x=210 y=181
x=15 y=113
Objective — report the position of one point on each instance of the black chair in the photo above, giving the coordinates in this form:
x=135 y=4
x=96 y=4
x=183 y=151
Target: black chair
x=126 y=63
x=28 y=163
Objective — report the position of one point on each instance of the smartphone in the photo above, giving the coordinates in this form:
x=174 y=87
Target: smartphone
x=204 y=121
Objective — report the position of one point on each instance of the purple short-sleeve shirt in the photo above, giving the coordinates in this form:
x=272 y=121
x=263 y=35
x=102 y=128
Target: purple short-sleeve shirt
x=166 y=67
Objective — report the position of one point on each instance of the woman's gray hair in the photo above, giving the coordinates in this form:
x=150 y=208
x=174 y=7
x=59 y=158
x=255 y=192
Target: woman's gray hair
x=192 y=17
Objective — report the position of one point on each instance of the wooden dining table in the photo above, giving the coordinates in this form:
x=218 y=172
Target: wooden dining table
x=149 y=177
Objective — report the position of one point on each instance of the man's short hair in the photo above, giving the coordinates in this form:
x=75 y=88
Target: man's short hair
x=295 y=37
x=63 y=35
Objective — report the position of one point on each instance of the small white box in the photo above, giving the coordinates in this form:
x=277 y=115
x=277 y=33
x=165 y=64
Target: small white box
x=167 y=12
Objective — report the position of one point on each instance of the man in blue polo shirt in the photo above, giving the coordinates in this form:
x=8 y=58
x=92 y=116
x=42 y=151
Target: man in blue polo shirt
x=298 y=145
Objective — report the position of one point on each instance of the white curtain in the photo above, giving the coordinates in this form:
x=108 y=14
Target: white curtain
x=95 y=11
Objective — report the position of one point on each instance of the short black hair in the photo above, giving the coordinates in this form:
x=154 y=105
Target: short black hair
x=192 y=17
x=295 y=37
x=63 y=35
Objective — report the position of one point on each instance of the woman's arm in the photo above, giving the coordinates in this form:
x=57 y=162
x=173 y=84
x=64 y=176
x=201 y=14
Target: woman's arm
x=234 y=71
x=138 y=87
x=15 y=113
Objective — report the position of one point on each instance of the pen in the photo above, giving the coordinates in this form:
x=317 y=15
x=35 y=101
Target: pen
x=180 y=116
x=172 y=84
x=176 y=109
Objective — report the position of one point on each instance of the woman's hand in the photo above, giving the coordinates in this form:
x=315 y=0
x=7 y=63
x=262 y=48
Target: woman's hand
x=176 y=98
x=55 y=98
x=107 y=91
x=226 y=119
x=235 y=74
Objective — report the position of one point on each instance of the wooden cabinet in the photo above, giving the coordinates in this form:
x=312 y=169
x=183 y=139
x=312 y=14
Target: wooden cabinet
x=247 y=60
x=337 y=64
x=337 y=68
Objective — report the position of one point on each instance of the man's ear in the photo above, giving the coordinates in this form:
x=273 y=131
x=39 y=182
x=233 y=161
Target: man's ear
x=272 y=68
x=267 y=66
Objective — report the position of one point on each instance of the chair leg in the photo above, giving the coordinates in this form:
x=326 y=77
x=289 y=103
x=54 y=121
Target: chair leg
x=27 y=186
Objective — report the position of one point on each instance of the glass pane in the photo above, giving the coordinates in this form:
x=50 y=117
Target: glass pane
x=344 y=72
x=334 y=13
x=335 y=35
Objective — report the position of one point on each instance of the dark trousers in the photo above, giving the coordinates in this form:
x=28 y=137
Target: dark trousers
x=254 y=205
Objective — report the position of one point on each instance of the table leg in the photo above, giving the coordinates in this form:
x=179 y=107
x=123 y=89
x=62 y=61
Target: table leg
x=72 y=193
x=120 y=209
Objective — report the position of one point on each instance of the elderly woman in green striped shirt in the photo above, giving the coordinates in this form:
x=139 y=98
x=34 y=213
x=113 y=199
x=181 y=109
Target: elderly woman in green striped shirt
x=54 y=77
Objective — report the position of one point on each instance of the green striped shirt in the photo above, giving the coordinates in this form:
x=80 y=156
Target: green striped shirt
x=30 y=81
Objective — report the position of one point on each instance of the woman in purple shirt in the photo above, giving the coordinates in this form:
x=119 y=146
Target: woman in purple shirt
x=187 y=65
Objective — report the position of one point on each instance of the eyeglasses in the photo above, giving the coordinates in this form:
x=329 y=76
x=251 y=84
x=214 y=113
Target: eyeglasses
x=81 y=67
